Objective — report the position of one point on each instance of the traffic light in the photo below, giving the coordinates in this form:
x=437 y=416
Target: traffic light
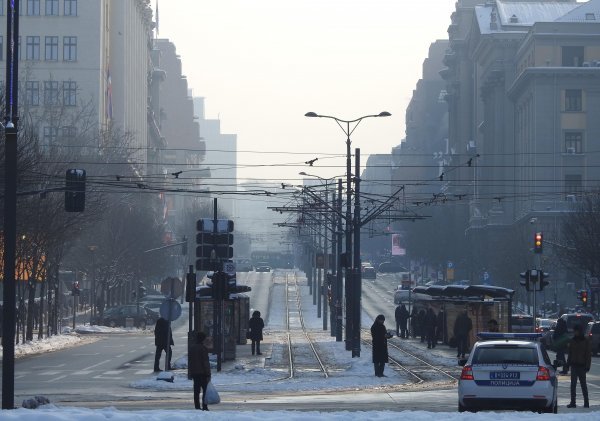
x=526 y=282
x=213 y=243
x=584 y=297
x=579 y=294
x=543 y=281
x=538 y=242
x=75 y=190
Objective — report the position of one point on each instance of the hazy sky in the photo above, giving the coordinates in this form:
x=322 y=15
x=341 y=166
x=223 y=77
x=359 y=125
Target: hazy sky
x=262 y=64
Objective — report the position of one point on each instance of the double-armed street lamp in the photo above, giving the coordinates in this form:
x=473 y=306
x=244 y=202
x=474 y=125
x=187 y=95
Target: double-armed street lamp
x=353 y=274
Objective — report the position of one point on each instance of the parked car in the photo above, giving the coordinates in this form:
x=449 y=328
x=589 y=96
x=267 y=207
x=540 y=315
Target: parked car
x=390 y=267
x=508 y=372
x=263 y=267
x=369 y=272
x=402 y=296
x=116 y=316
x=521 y=323
x=593 y=332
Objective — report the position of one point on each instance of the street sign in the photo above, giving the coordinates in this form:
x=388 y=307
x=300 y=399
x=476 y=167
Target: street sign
x=212 y=238
x=207 y=251
x=170 y=310
x=229 y=268
x=208 y=225
x=171 y=287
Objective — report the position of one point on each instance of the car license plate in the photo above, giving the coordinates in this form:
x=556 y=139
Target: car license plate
x=505 y=375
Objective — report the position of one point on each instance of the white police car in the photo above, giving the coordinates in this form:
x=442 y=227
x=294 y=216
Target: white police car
x=508 y=371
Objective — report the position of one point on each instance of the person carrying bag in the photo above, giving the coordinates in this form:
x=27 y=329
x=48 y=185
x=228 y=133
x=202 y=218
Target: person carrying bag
x=199 y=365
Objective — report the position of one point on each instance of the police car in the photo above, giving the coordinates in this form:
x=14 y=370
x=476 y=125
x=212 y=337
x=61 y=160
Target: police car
x=508 y=371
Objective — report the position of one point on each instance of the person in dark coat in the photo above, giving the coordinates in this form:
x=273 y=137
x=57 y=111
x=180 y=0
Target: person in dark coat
x=163 y=339
x=493 y=325
x=401 y=319
x=462 y=327
x=560 y=346
x=440 y=328
x=380 y=336
x=580 y=362
x=430 y=325
x=414 y=322
x=422 y=327
x=199 y=367
x=255 y=331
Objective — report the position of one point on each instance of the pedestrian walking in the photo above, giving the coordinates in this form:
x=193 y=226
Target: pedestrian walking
x=255 y=331
x=401 y=319
x=462 y=327
x=430 y=325
x=379 y=336
x=163 y=339
x=199 y=366
x=580 y=362
x=560 y=342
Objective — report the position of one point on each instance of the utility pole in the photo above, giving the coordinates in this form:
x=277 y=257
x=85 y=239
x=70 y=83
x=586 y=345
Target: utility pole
x=357 y=275
x=10 y=203
x=339 y=281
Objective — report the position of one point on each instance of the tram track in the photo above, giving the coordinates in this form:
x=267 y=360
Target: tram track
x=418 y=373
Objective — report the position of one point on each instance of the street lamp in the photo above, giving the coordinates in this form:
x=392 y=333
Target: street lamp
x=352 y=320
x=92 y=250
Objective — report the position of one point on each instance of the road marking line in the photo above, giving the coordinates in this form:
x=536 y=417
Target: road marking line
x=56 y=378
x=119 y=356
x=82 y=372
x=49 y=373
x=112 y=372
x=96 y=365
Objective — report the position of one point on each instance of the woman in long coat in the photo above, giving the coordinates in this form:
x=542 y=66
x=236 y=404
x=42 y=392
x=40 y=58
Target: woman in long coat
x=255 y=331
x=380 y=336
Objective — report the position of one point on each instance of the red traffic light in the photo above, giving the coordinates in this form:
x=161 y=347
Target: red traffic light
x=538 y=242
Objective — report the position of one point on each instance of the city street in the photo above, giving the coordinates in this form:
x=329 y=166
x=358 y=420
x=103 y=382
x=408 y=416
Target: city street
x=101 y=373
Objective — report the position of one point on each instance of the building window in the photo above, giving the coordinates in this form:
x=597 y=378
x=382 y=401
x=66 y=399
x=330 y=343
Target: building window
x=50 y=92
x=50 y=136
x=52 y=7
x=70 y=93
x=69 y=48
x=32 y=93
x=573 y=100
x=573 y=142
x=70 y=8
x=33 y=48
x=1 y=47
x=51 y=48
x=1 y=7
x=68 y=135
x=33 y=7
x=572 y=56
x=573 y=184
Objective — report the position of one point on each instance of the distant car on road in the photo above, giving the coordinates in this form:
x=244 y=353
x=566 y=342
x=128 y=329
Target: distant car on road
x=592 y=331
x=521 y=323
x=116 y=316
x=263 y=267
x=390 y=267
x=572 y=319
x=243 y=265
x=544 y=325
x=369 y=272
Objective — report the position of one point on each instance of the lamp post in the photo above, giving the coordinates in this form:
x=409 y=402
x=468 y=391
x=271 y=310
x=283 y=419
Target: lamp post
x=352 y=274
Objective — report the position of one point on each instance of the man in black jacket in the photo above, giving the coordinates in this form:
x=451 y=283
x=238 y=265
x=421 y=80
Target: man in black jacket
x=163 y=339
x=580 y=362
x=401 y=319
x=462 y=327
